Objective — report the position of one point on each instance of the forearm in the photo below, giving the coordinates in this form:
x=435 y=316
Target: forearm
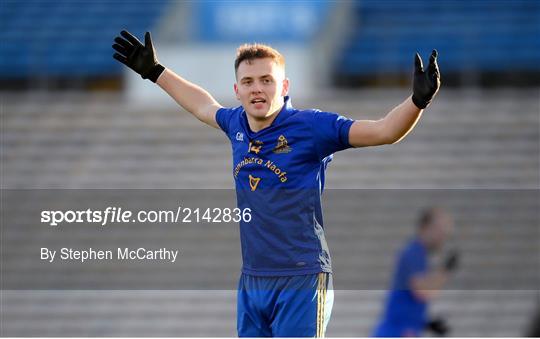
x=428 y=286
x=436 y=280
x=401 y=120
x=191 y=97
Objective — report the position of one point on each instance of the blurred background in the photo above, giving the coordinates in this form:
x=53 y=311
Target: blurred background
x=74 y=118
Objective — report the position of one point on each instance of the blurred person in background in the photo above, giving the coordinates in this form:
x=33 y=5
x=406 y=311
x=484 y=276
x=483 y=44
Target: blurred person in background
x=415 y=284
x=280 y=155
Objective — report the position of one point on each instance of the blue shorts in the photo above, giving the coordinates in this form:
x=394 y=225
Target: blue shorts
x=290 y=306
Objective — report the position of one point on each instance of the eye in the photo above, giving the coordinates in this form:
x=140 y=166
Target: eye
x=267 y=81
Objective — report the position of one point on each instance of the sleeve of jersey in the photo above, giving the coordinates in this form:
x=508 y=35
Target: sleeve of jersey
x=223 y=118
x=331 y=133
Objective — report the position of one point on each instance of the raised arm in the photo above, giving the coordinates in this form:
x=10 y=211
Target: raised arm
x=400 y=120
x=143 y=60
x=191 y=97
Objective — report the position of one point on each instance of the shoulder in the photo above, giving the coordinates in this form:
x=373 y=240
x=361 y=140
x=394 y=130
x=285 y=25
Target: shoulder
x=324 y=117
x=412 y=248
x=226 y=116
x=310 y=115
x=228 y=111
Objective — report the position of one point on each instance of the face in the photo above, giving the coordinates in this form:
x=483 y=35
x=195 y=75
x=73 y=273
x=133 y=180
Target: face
x=260 y=87
x=440 y=229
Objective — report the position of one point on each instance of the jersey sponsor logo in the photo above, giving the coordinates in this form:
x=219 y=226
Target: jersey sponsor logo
x=277 y=171
x=255 y=146
x=239 y=136
x=281 y=174
x=247 y=161
x=253 y=182
x=282 y=145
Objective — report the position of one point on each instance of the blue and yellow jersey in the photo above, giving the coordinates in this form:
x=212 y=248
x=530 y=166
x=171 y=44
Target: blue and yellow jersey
x=279 y=175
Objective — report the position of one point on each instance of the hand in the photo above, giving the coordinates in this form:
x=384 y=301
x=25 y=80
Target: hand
x=140 y=58
x=438 y=326
x=451 y=262
x=425 y=83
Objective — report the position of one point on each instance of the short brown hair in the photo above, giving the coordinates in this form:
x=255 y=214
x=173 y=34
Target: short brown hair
x=257 y=51
x=428 y=215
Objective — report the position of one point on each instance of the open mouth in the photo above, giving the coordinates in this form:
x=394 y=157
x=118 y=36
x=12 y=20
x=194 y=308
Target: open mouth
x=258 y=101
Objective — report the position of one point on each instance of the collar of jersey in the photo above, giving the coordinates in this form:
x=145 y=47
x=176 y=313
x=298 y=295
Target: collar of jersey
x=283 y=114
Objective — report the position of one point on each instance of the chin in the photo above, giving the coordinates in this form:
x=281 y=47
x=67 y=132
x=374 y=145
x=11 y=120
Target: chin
x=258 y=114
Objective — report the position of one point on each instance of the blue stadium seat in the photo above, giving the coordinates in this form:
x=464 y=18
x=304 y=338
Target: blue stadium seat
x=479 y=35
x=68 y=38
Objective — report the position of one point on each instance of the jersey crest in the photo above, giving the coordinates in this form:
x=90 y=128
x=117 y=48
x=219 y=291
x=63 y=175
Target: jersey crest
x=282 y=145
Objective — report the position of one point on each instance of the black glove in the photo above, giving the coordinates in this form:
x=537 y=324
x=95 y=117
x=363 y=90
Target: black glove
x=438 y=326
x=140 y=58
x=425 y=83
x=451 y=262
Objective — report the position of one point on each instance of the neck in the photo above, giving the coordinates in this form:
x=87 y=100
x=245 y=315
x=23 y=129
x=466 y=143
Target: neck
x=258 y=124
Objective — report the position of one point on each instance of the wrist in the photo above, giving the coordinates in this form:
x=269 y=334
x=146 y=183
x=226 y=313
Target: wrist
x=421 y=104
x=154 y=73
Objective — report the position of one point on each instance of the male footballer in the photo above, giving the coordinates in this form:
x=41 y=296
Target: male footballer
x=280 y=155
x=415 y=283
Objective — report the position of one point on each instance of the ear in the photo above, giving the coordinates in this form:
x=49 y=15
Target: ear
x=236 y=91
x=285 y=89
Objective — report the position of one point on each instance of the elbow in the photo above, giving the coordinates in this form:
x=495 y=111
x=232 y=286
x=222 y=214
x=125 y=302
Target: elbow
x=393 y=133
x=422 y=290
x=388 y=135
x=396 y=137
x=390 y=139
x=395 y=140
x=424 y=295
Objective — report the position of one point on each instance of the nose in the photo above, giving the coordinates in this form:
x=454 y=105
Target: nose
x=256 y=88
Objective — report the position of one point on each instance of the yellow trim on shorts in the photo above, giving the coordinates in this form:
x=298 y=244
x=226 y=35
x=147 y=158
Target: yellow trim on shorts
x=321 y=300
